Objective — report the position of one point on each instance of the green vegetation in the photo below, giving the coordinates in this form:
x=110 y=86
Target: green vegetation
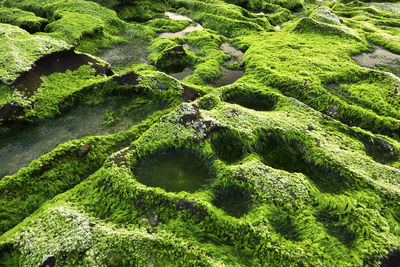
x=296 y=163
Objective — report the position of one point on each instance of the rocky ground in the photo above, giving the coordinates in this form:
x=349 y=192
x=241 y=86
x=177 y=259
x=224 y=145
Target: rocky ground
x=199 y=133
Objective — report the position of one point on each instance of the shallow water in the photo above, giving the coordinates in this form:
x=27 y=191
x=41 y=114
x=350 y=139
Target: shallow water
x=228 y=77
x=173 y=171
x=22 y=145
x=122 y=54
x=182 y=74
x=380 y=57
x=175 y=16
x=184 y=32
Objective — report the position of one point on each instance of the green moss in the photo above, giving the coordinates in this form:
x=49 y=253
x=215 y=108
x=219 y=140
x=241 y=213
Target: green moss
x=23 y=19
x=26 y=49
x=57 y=88
x=303 y=150
x=5 y=94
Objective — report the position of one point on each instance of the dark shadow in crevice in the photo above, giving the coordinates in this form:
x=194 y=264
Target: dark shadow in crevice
x=377 y=148
x=288 y=156
x=283 y=223
x=336 y=228
x=391 y=260
x=234 y=200
x=256 y=101
x=228 y=148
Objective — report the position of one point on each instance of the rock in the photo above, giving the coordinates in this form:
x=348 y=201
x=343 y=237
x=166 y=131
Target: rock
x=127 y=78
x=309 y=25
x=192 y=208
x=391 y=260
x=10 y=110
x=189 y=93
x=161 y=86
x=177 y=50
x=189 y=114
x=383 y=145
x=50 y=261
x=324 y=15
x=333 y=111
x=153 y=220
x=83 y=150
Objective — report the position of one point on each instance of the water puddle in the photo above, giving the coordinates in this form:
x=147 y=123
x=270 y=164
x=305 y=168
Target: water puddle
x=184 y=32
x=381 y=59
x=192 y=27
x=182 y=74
x=175 y=16
x=22 y=145
x=123 y=54
x=228 y=77
x=174 y=171
x=60 y=62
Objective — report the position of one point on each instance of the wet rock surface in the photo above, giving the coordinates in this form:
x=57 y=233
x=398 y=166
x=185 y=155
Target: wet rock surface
x=380 y=58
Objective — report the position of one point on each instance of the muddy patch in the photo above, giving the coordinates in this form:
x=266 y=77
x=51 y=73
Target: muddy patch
x=174 y=171
x=176 y=16
x=228 y=77
x=22 y=145
x=380 y=59
x=60 y=62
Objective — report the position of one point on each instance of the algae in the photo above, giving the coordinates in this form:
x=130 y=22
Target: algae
x=199 y=133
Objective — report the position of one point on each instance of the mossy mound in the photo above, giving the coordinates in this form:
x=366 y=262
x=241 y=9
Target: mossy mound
x=295 y=163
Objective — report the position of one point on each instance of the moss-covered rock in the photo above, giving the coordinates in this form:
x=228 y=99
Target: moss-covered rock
x=296 y=163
